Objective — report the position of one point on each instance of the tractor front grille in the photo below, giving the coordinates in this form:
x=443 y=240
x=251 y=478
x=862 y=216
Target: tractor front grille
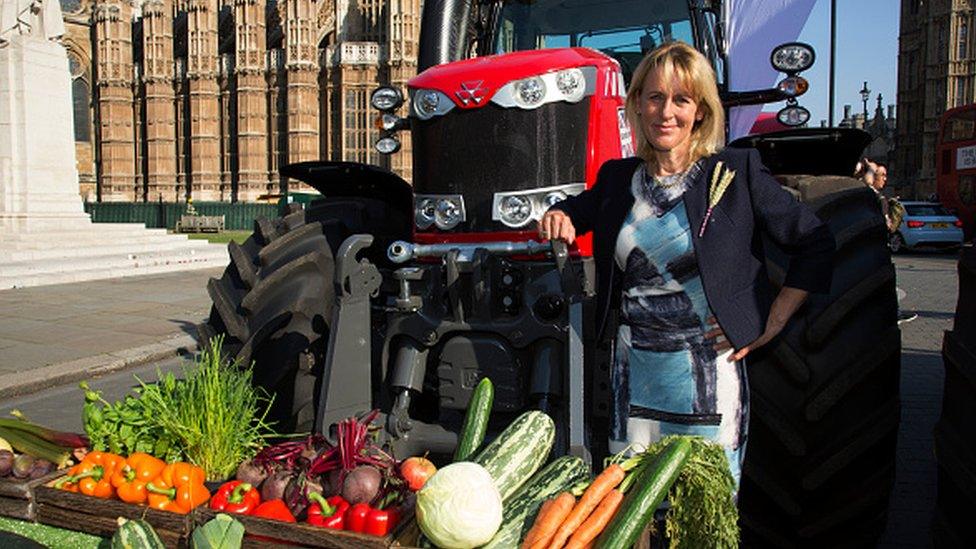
x=479 y=152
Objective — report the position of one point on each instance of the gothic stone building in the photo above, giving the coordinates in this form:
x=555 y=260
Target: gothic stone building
x=205 y=99
x=936 y=71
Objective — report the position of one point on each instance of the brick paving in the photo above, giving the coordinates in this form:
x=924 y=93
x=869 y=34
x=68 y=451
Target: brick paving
x=931 y=285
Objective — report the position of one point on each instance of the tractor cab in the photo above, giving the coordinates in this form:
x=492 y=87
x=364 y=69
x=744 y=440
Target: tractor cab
x=500 y=137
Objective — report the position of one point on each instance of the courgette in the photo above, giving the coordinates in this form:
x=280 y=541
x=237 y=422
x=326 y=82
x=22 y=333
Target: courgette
x=518 y=451
x=521 y=508
x=475 y=421
x=135 y=534
x=650 y=488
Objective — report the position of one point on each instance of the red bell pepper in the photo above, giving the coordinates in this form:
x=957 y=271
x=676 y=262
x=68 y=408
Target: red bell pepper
x=236 y=497
x=370 y=520
x=274 y=509
x=327 y=513
x=381 y=522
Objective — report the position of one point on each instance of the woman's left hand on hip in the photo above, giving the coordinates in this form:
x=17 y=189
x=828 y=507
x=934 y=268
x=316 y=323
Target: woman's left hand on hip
x=785 y=304
x=773 y=329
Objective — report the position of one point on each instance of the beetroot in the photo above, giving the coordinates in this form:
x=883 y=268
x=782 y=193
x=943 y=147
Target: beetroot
x=251 y=473
x=361 y=484
x=275 y=485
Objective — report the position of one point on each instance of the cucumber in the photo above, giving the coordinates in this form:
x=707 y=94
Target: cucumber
x=475 y=421
x=649 y=489
x=521 y=508
x=518 y=451
x=135 y=534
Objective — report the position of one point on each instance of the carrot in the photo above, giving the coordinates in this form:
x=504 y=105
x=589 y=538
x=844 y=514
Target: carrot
x=589 y=530
x=549 y=522
x=594 y=494
x=537 y=525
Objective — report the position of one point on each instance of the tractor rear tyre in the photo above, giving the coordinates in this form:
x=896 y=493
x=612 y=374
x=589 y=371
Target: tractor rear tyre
x=820 y=460
x=274 y=306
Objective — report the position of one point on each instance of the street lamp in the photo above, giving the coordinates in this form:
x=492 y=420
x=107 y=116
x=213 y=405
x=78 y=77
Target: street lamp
x=865 y=95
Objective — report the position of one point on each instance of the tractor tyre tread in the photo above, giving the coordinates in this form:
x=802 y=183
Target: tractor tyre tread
x=824 y=400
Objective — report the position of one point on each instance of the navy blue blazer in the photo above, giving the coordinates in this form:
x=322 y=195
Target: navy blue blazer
x=730 y=254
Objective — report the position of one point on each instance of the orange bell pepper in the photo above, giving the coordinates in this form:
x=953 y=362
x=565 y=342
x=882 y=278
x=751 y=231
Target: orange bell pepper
x=131 y=478
x=93 y=475
x=178 y=488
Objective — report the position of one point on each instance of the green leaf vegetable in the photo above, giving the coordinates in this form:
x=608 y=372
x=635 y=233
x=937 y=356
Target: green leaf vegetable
x=221 y=532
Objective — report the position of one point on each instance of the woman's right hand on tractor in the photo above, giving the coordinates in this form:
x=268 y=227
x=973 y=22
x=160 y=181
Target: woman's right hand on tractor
x=555 y=224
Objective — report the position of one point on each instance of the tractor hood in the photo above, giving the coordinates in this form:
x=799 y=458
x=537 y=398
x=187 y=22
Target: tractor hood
x=809 y=151
x=472 y=83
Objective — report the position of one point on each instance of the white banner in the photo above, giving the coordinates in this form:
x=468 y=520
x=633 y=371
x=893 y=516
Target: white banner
x=753 y=29
x=965 y=158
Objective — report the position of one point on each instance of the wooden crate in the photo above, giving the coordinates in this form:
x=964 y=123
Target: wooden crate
x=100 y=516
x=17 y=496
x=306 y=535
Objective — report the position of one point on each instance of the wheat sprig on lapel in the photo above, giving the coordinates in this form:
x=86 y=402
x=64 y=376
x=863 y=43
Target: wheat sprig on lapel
x=721 y=179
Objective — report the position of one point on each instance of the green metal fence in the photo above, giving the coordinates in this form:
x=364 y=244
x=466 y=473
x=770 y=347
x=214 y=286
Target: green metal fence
x=158 y=215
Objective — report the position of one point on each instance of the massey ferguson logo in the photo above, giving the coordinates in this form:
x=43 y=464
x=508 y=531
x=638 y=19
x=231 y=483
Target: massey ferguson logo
x=471 y=92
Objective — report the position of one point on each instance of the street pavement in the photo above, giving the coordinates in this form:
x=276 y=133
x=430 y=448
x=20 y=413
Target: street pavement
x=46 y=328
x=61 y=333
x=931 y=285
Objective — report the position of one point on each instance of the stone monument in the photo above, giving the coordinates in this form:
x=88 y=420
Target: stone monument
x=38 y=177
x=45 y=235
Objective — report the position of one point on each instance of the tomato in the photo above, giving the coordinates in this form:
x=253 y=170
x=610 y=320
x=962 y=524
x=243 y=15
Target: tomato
x=416 y=470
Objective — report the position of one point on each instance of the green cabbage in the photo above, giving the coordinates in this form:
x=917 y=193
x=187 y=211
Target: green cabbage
x=459 y=507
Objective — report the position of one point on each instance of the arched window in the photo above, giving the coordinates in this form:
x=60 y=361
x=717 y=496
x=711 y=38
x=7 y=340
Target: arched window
x=963 y=40
x=80 y=100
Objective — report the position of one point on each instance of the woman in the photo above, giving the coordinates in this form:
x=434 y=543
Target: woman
x=678 y=250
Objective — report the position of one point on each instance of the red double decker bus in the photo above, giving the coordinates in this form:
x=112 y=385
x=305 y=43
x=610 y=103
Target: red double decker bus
x=955 y=164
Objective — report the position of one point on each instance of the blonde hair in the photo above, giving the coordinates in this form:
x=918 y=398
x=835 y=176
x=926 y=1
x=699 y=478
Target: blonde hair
x=677 y=59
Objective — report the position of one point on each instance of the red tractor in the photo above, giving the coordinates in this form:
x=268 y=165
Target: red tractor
x=398 y=297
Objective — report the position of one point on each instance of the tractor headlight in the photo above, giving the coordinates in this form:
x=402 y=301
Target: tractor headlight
x=515 y=210
x=430 y=103
x=387 y=145
x=793 y=115
x=449 y=213
x=792 y=57
x=386 y=98
x=553 y=198
x=424 y=212
x=445 y=211
x=570 y=85
x=519 y=208
x=530 y=92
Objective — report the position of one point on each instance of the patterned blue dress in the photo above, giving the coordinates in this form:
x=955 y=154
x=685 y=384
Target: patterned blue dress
x=667 y=378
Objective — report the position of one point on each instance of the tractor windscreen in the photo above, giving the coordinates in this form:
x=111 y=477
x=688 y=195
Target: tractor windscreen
x=622 y=29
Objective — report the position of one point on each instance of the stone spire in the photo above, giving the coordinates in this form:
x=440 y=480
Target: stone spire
x=252 y=106
x=158 y=73
x=113 y=52
x=301 y=66
x=204 y=92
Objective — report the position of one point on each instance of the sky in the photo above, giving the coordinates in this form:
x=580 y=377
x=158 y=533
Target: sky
x=866 y=49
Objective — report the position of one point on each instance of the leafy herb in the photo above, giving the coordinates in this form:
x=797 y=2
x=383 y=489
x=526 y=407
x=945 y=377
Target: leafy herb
x=215 y=414
x=122 y=427
x=703 y=512
x=212 y=417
